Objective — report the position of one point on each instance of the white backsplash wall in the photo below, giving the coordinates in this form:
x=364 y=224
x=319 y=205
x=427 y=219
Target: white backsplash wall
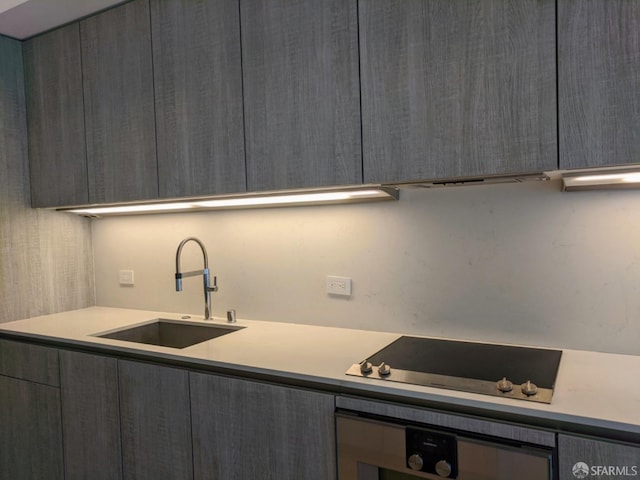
x=517 y=263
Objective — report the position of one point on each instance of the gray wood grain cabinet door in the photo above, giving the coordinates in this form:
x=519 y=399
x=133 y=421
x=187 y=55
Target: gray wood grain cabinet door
x=198 y=96
x=155 y=422
x=119 y=112
x=301 y=93
x=14 y=180
x=603 y=459
x=55 y=118
x=90 y=416
x=599 y=82
x=244 y=429
x=30 y=431
x=457 y=89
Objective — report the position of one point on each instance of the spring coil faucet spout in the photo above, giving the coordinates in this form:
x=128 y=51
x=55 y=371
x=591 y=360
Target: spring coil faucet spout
x=204 y=272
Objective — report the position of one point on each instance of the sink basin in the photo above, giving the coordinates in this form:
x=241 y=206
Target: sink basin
x=170 y=333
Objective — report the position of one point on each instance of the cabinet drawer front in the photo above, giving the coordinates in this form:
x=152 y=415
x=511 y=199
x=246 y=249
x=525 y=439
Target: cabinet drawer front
x=470 y=424
x=600 y=459
x=29 y=362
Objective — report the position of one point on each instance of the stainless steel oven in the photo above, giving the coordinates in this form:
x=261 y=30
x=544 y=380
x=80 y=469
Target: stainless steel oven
x=380 y=449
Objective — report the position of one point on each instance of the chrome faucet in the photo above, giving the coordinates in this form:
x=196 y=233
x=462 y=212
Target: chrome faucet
x=204 y=272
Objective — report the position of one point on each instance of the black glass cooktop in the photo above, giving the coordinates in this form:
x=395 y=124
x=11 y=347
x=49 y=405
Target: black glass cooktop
x=467 y=366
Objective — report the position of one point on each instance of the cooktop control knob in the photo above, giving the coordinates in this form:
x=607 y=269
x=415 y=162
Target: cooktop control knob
x=529 y=388
x=365 y=367
x=415 y=462
x=443 y=468
x=384 y=369
x=504 y=385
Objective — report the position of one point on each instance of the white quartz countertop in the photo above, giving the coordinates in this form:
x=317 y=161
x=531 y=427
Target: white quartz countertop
x=593 y=390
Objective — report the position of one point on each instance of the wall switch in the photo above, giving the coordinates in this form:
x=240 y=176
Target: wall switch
x=339 y=286
x=125 y=277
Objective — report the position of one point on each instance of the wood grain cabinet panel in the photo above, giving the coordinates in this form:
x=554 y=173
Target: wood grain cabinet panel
x=55 y=118
x=603 y=459
x=119 y=112
x=301 y=93
x=155 y=421
x=14 y=180
x=26 y=361
x=599 y=82
x=198 y=96
x=436 y=418
x=244 y=429
x=90 y=416
x=457 y=89
x=30 y=431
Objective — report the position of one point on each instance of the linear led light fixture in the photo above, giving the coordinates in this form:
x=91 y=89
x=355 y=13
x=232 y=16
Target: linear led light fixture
x=601 y=180
x=273 y=199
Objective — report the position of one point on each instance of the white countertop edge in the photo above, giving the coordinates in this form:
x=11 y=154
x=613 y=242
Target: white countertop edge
x=596 y=414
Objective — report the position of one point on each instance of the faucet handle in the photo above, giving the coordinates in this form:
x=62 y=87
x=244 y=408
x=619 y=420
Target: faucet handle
x=214 y=288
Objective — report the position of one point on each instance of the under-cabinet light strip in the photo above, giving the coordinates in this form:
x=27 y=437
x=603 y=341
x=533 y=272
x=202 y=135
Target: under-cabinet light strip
x=602 y=179
x=245 y=201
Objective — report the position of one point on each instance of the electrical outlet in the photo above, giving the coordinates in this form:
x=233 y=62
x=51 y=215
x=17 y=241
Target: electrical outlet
x=125 y=277
x=339 y=286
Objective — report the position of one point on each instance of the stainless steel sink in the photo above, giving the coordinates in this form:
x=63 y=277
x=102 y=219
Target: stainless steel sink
x=170 y=333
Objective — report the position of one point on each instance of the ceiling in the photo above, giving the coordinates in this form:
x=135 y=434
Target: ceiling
x=22 y=19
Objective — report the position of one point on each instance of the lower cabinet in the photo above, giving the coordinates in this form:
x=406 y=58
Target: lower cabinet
x=30 y=425
x=103 y=417
x=90 y=416
x=155 y=422
x=245 y=429
x=125 y=419
x=583 y=457
x=30 y=432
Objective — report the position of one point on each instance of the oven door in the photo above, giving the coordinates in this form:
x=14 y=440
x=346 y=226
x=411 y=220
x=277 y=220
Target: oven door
x=371 y=449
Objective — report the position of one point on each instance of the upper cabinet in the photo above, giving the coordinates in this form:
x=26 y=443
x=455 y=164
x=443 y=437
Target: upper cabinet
x=453 y=89
x=198 y=96
x=301 y=93
x=119 y=111
x=599 y=82
x=55 y=118
x=177 y=98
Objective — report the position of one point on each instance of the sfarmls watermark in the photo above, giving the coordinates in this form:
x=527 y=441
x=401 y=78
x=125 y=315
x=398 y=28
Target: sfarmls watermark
x=582 y=470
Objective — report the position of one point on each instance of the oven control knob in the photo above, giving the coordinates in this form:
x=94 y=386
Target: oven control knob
x=504 y=385
x=365 y=367
x=529 y=388
x=415 y=461
x=443 y=468
x=384 y=369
